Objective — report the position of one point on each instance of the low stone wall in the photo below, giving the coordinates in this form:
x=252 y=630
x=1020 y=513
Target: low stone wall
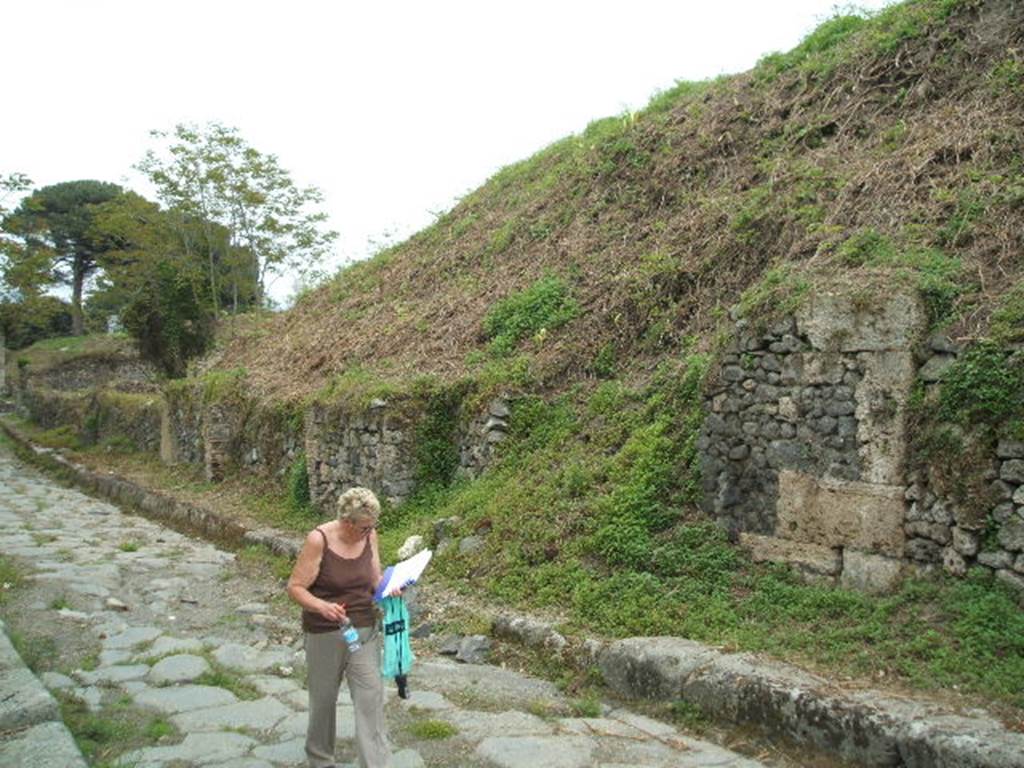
x=129 y=417
x=51 y=408
x=181 y=428
x=126 y=374
x=988 y=532
x=97 y=417
x=374 y=449
x=478 y=442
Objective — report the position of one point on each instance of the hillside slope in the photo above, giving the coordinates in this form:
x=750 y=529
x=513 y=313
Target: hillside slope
x=591 y=287
x=893 y=140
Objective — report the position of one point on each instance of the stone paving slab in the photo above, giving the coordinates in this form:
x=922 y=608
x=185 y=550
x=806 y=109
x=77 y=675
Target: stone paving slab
x=181 y=668
x=534 y=751
x=45 y=745
x=153 y=645
x=260 y=715
x=198 y=748
x=23 y=700
x=184 y=698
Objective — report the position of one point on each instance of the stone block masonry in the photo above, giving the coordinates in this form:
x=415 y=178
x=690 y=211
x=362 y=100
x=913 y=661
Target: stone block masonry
x=804 y=447
x=804 y=451
x=374 y=449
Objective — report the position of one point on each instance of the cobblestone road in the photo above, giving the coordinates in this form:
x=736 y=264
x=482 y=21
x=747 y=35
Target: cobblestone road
x=133 y=615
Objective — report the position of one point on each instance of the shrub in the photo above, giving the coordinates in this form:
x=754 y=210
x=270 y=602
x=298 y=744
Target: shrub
x=545 y=305
x=986 y=384
x=299 y=498
x=437 y=453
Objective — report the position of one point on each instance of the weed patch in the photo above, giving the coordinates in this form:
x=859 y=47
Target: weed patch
x=10 y=578
x=544 y=306
x=432 y=729
x=114 y=730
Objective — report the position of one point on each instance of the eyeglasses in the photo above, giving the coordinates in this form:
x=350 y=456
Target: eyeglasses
x=364 y=529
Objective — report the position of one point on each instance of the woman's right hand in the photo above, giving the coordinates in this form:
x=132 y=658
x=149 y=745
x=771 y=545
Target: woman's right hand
x=332 y=611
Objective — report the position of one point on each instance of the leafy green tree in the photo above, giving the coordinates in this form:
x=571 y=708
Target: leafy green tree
x=211 y=174
x=50 y=240
x=155 y=280
x=10 y=185
x=26 y=319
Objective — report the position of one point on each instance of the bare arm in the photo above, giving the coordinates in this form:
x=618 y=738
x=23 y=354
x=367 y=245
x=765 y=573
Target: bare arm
x=304 y=574
x=378 y=574
x=375 y=558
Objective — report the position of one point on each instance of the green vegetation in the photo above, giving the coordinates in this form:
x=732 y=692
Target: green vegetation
x=432 y=729
x=779 y=292
x=437 y=454
x=544 y=306
x=985 y=385
x=938 y=277
x=819 y=52
x=114 y=730
x=48 y=353
x=356 y=388
x=10 y=578
x=298 y=485
x=38 y=652
x=59 y=603
x=224 y=386
x=222 y=677
x=688 y=716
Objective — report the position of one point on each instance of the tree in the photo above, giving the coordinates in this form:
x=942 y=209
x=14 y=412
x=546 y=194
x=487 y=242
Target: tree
x=211 y=174
x=12 y=184
x=26 y=319
x=53 y=243
x=155 y=280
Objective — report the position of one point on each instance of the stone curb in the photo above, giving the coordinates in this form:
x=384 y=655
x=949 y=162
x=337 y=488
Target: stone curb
x=866 y=726
x=30 y=725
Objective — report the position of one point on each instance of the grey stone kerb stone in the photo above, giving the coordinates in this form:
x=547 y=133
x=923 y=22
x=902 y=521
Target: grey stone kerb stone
x=867 y=727
x=41 y=739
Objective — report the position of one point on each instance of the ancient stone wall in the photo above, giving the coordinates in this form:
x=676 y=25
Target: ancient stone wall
x=129 y=419
x=374 y=449
x=985 y=530
x=50 y=408
x=480 y=439
x=181 y=428
x=803 y=451
x=126 y=374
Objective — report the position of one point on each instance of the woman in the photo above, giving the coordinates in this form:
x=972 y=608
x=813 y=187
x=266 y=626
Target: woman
x=335 y=577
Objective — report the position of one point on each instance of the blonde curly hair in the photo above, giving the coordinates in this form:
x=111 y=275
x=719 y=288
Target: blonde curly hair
x=358 y=504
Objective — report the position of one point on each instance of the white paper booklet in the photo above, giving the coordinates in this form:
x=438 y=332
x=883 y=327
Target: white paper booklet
x=404 y=573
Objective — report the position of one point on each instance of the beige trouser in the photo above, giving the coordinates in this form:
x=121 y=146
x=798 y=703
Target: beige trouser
x=327 y=662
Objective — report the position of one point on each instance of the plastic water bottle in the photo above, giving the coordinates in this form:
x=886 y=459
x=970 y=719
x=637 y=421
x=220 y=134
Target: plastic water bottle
x=350 y=635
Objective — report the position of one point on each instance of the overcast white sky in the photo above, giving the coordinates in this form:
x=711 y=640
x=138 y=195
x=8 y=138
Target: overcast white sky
x=394 y=109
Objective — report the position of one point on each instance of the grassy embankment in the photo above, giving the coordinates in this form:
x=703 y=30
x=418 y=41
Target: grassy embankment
x=590 y=282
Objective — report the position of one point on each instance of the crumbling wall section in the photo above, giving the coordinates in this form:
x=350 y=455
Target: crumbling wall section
x=803 y=452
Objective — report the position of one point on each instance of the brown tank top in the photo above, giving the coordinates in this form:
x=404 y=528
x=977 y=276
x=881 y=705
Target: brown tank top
x=347 y=580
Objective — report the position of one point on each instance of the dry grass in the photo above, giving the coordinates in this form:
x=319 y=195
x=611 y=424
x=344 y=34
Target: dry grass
x=659 y=222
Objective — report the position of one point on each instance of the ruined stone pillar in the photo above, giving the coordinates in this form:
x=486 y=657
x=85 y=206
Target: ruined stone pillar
x=216 y=434
x=804 y=451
